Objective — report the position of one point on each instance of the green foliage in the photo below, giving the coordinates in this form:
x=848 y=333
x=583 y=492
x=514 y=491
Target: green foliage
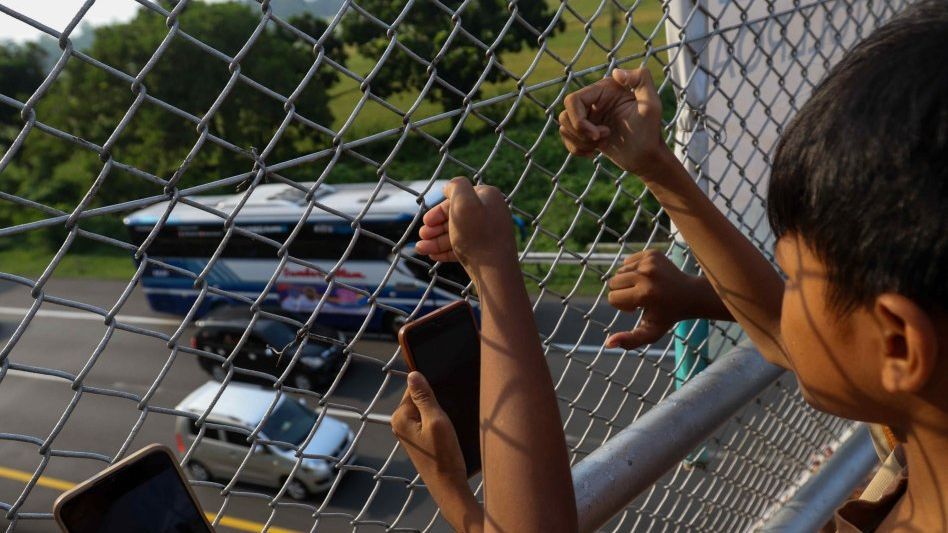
x=509 y=169
x=21 y=72
x=88 y=102
x=101 y=263
x=425 y=31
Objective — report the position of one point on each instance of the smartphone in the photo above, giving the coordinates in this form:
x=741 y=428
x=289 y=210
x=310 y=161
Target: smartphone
x=146 y=492
x=445 y=347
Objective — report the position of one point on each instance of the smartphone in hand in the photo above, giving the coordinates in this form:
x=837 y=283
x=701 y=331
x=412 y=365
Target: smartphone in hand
x=445 y=347
x=146 y=492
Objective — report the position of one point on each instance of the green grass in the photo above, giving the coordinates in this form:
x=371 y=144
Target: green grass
x=564 y=45
x=30 y=262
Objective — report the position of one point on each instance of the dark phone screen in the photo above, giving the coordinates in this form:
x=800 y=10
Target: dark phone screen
x=447 y=351
x=147 y=496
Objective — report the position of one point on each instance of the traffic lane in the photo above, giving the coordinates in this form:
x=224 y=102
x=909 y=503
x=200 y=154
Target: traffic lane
x=98 y=424
x=100 y=293
x=363 y=376
x=355 y=489
x=595 y=399
x=132 y=361
x=101 y=424
x=581 y=318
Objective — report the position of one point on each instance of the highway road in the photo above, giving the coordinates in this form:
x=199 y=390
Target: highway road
x=592 y=390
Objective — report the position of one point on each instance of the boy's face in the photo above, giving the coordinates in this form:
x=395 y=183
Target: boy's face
x=836 y=359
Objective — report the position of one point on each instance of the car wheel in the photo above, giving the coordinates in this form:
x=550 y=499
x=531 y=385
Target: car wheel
x=297 y=490
x=218 y=373
x=302 y=381
x=198 y=472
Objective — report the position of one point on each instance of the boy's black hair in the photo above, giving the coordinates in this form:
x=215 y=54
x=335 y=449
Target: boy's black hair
x=861 y=174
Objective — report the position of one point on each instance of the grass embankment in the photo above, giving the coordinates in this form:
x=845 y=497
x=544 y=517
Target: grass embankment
x=563 y=47
x=31 y=261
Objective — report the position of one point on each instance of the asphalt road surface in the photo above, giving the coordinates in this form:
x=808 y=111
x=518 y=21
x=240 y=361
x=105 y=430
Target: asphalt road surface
x=592 y=388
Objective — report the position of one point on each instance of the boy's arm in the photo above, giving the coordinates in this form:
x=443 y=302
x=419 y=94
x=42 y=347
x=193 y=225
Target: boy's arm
x=621 y=117
x=527 y=480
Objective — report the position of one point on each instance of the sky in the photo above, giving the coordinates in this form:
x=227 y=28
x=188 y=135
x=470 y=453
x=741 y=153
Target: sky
x=57 y=14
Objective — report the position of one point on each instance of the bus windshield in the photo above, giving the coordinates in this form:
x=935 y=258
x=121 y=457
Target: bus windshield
x=275 y=333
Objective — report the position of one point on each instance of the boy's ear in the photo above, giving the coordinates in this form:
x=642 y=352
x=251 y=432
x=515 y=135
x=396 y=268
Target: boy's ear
x=909 y=344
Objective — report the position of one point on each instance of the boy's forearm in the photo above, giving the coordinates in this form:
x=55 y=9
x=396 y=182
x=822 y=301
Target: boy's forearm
x=527 y=481
x=745 y=281
x=706 y=302
x=459 y=508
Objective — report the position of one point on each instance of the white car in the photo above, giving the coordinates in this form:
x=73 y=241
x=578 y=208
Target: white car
x=240 y=408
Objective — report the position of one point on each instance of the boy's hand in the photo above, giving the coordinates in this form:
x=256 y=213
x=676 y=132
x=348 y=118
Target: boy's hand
x=428 y=436
x=620 y=116
x=650 y=281
x=472 y=225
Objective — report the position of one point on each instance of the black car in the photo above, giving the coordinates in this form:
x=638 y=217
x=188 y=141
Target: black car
x=269 y=348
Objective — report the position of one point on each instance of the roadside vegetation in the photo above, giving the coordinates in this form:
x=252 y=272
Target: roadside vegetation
x=88 y=102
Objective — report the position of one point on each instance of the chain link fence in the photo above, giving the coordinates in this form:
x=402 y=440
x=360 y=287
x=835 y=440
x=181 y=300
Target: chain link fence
x=731 y=75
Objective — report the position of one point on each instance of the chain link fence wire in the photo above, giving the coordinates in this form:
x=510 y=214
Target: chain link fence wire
x=731 y=75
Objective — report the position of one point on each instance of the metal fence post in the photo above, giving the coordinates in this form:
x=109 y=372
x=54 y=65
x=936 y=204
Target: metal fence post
x=615 y=473
x=813 y=504
x=691 y=147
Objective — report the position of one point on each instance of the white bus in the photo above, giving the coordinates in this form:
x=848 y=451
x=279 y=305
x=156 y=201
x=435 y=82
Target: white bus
x=190 y=237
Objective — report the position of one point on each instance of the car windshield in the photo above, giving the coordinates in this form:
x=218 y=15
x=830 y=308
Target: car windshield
x=276 y=334
x=289 y=422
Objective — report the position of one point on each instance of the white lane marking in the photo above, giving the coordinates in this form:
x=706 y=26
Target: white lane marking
x=374 y=417
x=84 y=315
x=34 y=375
x=652 y=353
x=332 y=411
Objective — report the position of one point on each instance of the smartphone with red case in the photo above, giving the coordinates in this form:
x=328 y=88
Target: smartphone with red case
x=445 y=347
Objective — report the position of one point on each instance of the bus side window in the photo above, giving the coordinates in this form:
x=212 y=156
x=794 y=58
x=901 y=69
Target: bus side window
x=309 y=244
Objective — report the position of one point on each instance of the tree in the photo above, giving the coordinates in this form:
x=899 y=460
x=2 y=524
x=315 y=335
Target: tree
x=425 y=30
x=21 y=72
x=88 y=102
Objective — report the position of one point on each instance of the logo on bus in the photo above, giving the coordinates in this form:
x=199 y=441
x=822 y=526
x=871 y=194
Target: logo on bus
x=306 y=272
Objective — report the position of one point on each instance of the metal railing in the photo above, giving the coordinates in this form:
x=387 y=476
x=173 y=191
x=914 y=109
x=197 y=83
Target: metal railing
x=732 y=74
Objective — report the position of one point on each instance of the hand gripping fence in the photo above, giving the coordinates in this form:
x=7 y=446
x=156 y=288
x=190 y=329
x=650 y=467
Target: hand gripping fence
x=732 y=74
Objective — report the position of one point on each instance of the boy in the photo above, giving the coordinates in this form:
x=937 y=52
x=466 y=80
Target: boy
x=858 y=201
